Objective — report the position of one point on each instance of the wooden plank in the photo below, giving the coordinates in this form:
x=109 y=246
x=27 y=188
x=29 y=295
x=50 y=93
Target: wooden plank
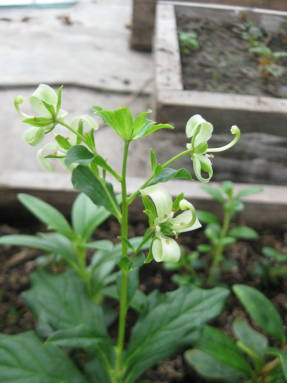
x=268 y=208
x=166 y=50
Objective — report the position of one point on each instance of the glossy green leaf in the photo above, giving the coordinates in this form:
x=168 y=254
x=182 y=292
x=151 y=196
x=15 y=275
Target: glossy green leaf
x=208 y=367
x=168 y=174
x=99 y=191
x=100 y=161
x=86 y=216
x=243 y=232
x=215 y=193
x=47 y=214
x=261 y=310
x=170 y=324
x=206 y=217
x=249 y=337
x=25 y=359
x=78 y=154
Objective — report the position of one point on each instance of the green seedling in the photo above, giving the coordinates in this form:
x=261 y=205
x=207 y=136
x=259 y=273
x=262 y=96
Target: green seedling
x=222 y=233
x=271 y=266
x=251 y=357
x=188 y=42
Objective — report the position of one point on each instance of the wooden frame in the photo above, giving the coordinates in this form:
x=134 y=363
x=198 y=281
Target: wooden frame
x=265 y=209
x=143 y=17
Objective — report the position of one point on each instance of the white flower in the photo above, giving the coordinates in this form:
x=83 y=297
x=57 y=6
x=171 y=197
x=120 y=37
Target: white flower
x=165 y=224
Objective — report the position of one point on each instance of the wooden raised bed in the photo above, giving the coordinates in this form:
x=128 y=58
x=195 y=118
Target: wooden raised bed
x=143 y=17
x=266 y=209
x=261 y=155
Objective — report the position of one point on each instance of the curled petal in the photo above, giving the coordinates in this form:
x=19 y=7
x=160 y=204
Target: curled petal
x=199 y=129
x=86 y=119
x=162 y=201
x=165 y=250
x=45 y=162
x=236 y=132
x=34 y=135
x=186 y=221
x=201 y=163
x=46 y=93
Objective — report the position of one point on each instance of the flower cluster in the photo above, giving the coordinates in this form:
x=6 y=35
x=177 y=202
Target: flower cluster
x=161 y=211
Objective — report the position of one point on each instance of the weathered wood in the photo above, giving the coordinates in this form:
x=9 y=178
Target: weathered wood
x=268 y=208
x=143 y=17
x=261 y=115
x=142 y=24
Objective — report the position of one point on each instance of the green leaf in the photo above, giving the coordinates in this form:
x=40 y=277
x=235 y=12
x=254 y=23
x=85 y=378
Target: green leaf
x=208 y=367
x=63 y=142
x=206 y=217
x=39 y=121
x=223 y=349
x=261 y=311
x=86 y=216
x=248 y=191
x=276 y=255
x=62 y=302
x=153 y=159
x=213 y=233
x=25 y=359
x=228 y=188
x=103 y=244
x=99 y=191
x=249 y=337
x=120 y=120
x=168 y=174
x=52 y=243
x=215 y=193
x=78 y=154
x=47 y=214
x=150 y=128
x=170 y=324
x=243 y=232
x=204 y=248
x=100 y=161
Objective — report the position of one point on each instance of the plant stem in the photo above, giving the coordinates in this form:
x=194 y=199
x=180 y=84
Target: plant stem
x=218 y=250
x=135 y=194
x=124 y=272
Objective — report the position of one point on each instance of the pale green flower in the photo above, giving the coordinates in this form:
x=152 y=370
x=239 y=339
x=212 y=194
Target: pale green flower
x=165 y=224
x=200 y=131
x=45 y=103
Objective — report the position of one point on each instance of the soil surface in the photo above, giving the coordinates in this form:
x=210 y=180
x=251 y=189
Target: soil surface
x=17 y=263
x=223 y=63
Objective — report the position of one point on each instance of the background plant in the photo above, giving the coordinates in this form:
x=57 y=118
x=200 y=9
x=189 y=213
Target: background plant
x=67 y=315
x=220 y=233
x=188 y=42
x=249 y=359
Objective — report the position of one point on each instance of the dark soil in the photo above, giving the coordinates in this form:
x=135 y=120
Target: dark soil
x=17 y=263
x=223 y=63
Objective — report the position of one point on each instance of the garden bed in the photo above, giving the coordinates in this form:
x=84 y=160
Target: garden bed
x=261 y=117
x=17 y=263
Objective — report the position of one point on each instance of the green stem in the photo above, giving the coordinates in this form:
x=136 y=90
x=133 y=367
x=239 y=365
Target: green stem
x=124 y=273
x=218 y=250
x=135 y=194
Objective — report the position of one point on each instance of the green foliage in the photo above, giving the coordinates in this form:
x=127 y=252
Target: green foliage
x=271 y=267
x=188 y=42
x=246 y=360
x=220 y=233
x=71 y=308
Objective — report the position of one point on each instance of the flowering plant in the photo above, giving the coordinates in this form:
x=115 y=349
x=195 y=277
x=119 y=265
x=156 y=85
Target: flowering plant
x=68 y=315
